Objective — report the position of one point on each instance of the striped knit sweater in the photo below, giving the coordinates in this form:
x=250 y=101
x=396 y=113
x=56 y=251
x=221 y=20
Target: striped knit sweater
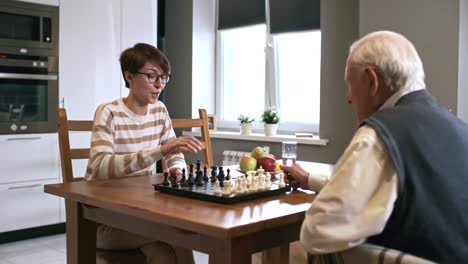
x=126 y=144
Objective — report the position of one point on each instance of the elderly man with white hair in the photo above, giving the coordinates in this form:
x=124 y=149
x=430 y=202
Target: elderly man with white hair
x=401 y=183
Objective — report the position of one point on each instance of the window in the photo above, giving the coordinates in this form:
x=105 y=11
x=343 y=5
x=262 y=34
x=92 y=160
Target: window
x=246 y=86
x=298 y=74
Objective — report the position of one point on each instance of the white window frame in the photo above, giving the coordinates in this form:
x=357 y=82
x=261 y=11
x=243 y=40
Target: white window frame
x=271 y=92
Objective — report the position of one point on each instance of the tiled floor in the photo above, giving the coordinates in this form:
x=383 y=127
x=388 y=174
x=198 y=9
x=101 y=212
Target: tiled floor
x=47 y=250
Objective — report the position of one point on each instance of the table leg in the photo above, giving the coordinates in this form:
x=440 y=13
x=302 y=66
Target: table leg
x=276 y=255
x=81 y=236
x=231 y=252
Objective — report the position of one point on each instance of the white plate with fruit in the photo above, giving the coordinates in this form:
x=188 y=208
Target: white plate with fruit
x=259 y=157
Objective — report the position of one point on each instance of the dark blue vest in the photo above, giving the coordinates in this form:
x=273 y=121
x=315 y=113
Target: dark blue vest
x=429 y=148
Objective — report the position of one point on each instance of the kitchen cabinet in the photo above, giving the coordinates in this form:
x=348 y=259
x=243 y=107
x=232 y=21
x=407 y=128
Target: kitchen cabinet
x=29 y=157
x=25 y=205
x=28 y=162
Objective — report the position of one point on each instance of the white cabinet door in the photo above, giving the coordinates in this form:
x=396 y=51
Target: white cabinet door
x=89 y=52
x=29 y=157
x=25 y=205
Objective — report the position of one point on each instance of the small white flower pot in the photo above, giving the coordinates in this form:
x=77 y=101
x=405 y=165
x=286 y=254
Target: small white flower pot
x=245 y=129
x=270 y=129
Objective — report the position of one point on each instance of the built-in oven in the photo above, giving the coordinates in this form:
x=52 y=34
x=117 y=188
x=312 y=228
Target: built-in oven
x=28 y=25
x=28 y=92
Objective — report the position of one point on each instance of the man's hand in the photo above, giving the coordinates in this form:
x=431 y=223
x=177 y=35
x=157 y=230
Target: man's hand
x=296 y=176
x=185 y=144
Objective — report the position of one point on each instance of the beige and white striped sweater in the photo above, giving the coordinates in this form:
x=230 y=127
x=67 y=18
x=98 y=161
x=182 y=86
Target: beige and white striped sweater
x=126 y=144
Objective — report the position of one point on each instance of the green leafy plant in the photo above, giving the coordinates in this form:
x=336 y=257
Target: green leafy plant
x=245 y=119
x=270 y=115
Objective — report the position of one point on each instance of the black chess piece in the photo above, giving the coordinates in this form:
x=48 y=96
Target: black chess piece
x=173 y=180
x=183 y=181
x=221 y=176
x=205 y=174
x=166 y=181
x=191 y=180
x=199 y=178
x=198 y=165
x=228 y=177
x=213 y=173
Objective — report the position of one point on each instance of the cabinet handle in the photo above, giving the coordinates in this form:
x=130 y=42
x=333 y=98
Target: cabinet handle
x=24 y=187
x=23 y=138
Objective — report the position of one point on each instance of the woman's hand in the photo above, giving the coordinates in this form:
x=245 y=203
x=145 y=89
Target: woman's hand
x=184 y=144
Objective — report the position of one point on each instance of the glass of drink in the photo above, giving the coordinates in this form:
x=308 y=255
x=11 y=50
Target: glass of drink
x=289 y=152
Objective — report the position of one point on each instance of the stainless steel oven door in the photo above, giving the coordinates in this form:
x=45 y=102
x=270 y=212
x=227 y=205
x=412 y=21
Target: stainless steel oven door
x=28 y=103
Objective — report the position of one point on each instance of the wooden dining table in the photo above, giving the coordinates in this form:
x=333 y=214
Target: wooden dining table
x=227 y=233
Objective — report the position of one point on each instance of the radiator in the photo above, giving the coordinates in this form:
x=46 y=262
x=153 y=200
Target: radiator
x=232 y=157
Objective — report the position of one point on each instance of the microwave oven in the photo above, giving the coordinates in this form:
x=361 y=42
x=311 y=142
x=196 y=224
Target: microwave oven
x=29 y=26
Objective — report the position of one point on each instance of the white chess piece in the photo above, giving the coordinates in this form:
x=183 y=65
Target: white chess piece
x=239 y=186
x=244 y=185
x=260 y=171
x=268 y=182
x=216 y=189
x=254 y=184
x=281 y=183
x=261 y=182
x=250 y=175
x=226 y=188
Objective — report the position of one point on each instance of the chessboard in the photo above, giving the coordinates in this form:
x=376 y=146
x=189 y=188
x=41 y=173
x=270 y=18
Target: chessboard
x=220 y=187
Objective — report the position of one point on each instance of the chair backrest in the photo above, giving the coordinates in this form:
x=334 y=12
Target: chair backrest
x=202 y=123
x=67 y=154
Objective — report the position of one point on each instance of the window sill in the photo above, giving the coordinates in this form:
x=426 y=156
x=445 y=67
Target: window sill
x=261 y=137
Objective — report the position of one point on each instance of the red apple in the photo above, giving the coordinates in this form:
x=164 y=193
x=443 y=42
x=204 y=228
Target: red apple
x=247 y=164
x=258 y=153
x=268 y=163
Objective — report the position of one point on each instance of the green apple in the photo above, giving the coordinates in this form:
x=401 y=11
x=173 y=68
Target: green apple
x=258 y=153
x=247 y=164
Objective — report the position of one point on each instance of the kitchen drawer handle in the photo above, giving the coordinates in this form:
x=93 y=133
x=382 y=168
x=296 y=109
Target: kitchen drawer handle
x=23 y=138
x=24 y=187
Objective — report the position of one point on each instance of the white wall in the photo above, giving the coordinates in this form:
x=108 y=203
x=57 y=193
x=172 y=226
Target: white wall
x=139 y=24
x=433 y=27
x=203 y=57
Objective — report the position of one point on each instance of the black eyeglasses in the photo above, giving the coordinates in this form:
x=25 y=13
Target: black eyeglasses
x=154 y=77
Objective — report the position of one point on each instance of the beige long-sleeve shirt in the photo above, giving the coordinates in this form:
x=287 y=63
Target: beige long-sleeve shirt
x=358 y=199
x=126 y=144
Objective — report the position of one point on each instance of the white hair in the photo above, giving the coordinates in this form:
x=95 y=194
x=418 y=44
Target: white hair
x=394 y=57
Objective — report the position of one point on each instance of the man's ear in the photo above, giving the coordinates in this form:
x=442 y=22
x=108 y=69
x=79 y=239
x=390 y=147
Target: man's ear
x=374 y=81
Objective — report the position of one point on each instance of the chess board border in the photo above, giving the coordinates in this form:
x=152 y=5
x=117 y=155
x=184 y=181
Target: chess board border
x=231 y=199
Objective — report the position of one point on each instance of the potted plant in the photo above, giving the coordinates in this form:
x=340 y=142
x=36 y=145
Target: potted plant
x=245 y=124
x=270 y=118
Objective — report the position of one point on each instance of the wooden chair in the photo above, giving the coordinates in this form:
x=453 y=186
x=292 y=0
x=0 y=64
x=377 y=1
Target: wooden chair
x=68 y=154
x=202 y=123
